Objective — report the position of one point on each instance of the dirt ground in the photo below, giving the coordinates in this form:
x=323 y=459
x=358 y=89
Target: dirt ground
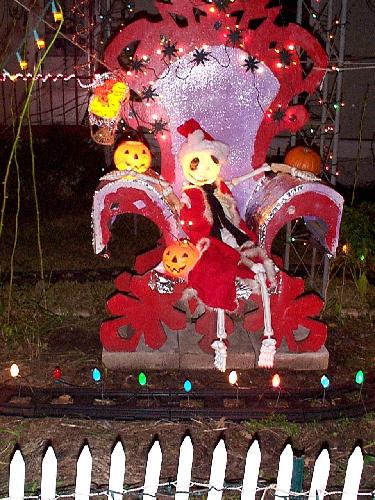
x=65 y=334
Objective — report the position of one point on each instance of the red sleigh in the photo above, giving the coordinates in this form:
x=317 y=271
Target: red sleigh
x=236 y=72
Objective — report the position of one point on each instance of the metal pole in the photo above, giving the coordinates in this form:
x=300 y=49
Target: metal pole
x=336 y=134
x=325 y=84
x=293 y=140
x=288 y=239
x=293 y=137
x=323 y=292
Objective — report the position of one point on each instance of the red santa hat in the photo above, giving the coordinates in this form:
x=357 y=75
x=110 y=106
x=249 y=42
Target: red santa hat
x=198 y=141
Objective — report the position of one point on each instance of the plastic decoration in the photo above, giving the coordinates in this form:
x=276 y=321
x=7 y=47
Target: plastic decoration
x=110 y=93
x=359 y=377
x=132 y=155
x=14 y=370
x=305 y=159
x=133 y=310
x=179 y=258
x=276 y=381
x=40 y=43
x=211 y=30
x=187 y=385
x=22 y=62
x=96 y=374
x=292 y=308
x=233 y=377
x=142 y=379
x=235 y=88
x=325 y=382
x=284 y=198
x=57 y=373
x=57 y=13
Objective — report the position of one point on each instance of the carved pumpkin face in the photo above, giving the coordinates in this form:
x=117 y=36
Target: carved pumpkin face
x=132 y=155
x=179 y=258
x=305 y=159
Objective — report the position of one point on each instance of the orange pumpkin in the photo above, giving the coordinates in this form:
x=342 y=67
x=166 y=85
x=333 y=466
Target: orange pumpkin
x=179 y=258
x=132 y=155
x=304 y=158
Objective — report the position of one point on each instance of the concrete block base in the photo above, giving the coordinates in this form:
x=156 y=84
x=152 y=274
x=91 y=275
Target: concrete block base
x=182 y=351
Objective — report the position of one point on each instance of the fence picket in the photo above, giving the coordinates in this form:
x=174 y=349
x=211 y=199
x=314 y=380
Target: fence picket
x=83 y=478
x=17 y=477
x=250 y=478
x=49 y=474
x=217 y=476
x=216 y=482
x=117 y=472
x=320 y=475
x=153 y=470
x=284 y=475
x=185 y=463
x=353 y=475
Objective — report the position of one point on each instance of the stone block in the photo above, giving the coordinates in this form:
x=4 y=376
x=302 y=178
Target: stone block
x=182 y=351
x=284 y=359
x=155 y=360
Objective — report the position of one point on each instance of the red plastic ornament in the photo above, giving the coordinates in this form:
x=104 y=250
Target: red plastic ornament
x=57 y=373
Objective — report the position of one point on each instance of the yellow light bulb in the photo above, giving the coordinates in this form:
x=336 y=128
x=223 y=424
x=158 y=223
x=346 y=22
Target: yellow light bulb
x=58 y=16
x=40 y=43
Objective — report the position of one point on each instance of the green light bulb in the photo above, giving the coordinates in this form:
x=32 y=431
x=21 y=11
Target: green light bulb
x=142 y=379
x=359 y=377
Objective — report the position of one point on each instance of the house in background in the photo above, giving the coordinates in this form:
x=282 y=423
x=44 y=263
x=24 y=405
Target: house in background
x=62 y=99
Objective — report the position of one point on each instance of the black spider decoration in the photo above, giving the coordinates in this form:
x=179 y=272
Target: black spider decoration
x=235 y=36
x=169 y=50
x=137 y=64
x=217 y=25
x=285 y=57
x=251 y=64
x=278 y=115
x=159 y=126
x=222 y=5
x=200 y=56
x=148 y=94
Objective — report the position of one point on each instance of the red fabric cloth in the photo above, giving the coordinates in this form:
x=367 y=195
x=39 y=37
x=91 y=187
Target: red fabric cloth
x=213 y=277
x=191 y=126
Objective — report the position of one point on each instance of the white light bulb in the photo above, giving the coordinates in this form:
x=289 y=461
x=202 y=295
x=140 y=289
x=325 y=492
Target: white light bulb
x=14 y=370
x=233 y=377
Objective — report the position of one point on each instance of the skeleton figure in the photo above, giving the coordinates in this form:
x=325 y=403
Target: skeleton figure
x=210 y=219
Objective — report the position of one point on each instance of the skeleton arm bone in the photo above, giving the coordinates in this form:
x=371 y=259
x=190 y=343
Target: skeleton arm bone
x=238 y=180
x=294 y=172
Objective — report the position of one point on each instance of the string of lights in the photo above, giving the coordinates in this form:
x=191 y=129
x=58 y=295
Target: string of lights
x=14 y=77
x=58 y=16
x=200 y=489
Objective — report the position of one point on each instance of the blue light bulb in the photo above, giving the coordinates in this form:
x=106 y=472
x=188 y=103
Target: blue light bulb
x=96 y=374
x=187 y=385
x=325 y=382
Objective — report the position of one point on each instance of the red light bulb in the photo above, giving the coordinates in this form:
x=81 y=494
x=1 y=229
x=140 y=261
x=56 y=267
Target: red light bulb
x=57 y=373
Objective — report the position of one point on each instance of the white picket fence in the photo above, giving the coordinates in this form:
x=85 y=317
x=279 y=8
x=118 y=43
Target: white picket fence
x=184 y=486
